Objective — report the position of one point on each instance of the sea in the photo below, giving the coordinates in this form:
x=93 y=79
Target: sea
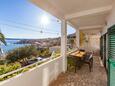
x=11 y=44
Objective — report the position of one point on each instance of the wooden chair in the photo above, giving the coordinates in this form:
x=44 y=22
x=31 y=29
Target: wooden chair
x=89 y=60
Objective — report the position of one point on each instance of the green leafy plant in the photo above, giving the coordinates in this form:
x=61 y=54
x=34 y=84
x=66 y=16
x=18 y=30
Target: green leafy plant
x=44 y=52
x=19 y=72
x=9 y=67
x=72 y=42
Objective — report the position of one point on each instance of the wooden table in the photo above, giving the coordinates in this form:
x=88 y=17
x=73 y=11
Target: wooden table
x=78 y=54
x=77 y=57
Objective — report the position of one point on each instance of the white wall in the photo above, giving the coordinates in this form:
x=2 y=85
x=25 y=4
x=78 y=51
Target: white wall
x=110 y=19
x=93 y=43
x=39 y=76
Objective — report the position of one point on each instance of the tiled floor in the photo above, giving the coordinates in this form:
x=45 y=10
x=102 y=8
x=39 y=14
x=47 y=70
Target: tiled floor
x=83 y=77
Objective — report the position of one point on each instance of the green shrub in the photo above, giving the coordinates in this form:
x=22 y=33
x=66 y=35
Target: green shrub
x=44 y=52
x=2 y=62
x=19 y=72
x=22 y=54
x=8 y=68
x=56 y=53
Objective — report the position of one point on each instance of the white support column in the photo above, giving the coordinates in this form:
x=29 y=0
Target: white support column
x=64 y=44
x=77 y=38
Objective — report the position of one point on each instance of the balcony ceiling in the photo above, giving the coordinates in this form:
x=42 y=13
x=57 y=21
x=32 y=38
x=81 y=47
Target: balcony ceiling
x=95 y=31
x=82 y=14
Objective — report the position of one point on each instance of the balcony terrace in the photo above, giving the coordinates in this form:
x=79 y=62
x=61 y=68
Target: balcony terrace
x=93 y=17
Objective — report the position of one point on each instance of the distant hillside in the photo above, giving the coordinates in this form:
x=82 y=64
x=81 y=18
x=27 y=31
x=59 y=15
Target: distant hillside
x=45 y=41
x=71 y=35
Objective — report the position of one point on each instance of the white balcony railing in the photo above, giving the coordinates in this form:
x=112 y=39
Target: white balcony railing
x=40 y=75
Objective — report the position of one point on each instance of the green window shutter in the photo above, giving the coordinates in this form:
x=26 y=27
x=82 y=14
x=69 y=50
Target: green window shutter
x=111 y=42
x=111 y=56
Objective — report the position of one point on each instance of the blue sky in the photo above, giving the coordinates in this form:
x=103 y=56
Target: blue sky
x=22 y=19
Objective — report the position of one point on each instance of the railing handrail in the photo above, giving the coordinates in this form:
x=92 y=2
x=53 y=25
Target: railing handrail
x=9 y=73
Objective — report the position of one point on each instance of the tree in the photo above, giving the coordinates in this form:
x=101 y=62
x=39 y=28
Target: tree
x=82 y=38
x=72 y=42
x=45 y=52
x=22 y=54
x=2 y=39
